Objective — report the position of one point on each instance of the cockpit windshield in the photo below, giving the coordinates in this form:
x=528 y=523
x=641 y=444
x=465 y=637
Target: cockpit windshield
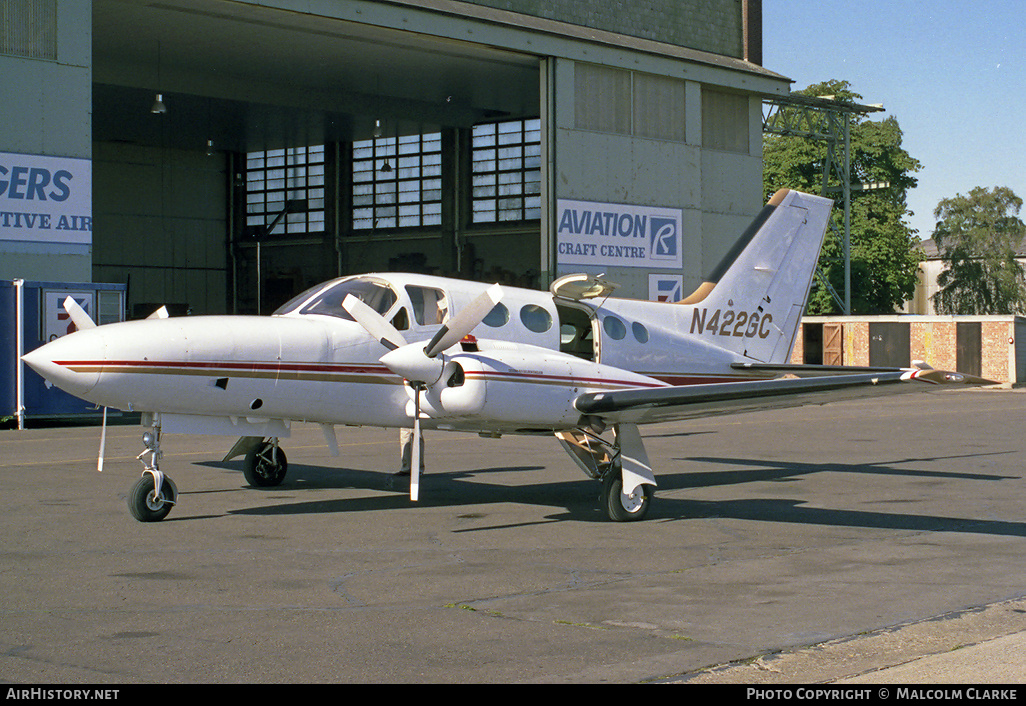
x=376 y=294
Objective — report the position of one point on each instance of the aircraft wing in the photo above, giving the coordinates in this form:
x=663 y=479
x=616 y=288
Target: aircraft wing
x=663 y=404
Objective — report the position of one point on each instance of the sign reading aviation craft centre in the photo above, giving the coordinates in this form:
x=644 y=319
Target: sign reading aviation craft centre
x=605 y=234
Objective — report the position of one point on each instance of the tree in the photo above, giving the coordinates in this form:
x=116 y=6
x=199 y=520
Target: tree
x=884 y=249
x=977 y=237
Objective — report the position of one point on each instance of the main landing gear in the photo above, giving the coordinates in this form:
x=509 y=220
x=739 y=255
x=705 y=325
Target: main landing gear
x=620 y=464
x=265 y=464
x=154 y=494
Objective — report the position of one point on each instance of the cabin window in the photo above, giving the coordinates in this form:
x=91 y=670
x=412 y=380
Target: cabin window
x=535 y=318
x=640 y=332
x=430 y=305
x=614 y=328
x=377 y=295
x=293 y=303
x=401 y=321
x=497 y=317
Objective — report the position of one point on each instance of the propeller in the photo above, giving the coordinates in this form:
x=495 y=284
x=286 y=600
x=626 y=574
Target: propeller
x=373 y=322
x=453 y=331
x=421 y=365
x=78 y=315
x=83 y=321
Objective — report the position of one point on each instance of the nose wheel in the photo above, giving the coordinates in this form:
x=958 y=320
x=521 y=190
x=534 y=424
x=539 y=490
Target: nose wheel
x=154 y=494
x=147 y=502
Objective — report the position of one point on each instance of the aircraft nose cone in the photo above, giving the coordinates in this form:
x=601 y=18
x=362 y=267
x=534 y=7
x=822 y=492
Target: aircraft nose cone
x=73 y=362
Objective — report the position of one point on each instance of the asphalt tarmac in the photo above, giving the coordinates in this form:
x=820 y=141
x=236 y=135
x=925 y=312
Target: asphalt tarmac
x=850 y=543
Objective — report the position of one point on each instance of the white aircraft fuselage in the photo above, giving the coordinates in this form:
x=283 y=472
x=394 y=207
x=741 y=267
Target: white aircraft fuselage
x=325 y=368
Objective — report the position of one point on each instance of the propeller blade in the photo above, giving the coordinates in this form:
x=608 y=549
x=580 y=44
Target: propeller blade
x=374 y=323
x=415 y=454
x=78 y=315
x=103 y=443
x=464 y=322
x=160 y=313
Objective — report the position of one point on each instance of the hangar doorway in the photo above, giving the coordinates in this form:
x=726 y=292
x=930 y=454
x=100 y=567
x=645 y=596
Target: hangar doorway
x=823 y=343
x=969 y=347
x=242 y=79
x=890 y=344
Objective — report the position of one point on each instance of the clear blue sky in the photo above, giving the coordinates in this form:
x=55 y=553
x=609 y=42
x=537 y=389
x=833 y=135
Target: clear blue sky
x=952 y=73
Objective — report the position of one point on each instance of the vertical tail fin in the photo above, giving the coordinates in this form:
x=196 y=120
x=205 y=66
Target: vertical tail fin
x=751 y=303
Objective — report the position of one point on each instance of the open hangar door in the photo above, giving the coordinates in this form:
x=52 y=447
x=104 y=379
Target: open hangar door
x=293 y=147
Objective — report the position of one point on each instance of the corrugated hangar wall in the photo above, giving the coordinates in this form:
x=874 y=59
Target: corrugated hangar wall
x=707 y=25
x=636 y=112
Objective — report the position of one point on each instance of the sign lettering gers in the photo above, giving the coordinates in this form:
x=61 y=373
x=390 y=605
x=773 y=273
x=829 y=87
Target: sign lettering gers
x=606 y=234
x=46 y=199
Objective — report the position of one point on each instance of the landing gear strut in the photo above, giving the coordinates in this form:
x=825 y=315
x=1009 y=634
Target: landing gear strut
x=154 y=494
x=620 y=464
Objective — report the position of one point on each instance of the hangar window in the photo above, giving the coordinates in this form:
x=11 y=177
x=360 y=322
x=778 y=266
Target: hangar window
x=507 y=171
x=29 y=29
x=292 y=177
x=625 y=102
x=397 y=182
x=725 y=121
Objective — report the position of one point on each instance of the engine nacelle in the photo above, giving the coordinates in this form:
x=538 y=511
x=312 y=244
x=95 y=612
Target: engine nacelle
x=520 y=385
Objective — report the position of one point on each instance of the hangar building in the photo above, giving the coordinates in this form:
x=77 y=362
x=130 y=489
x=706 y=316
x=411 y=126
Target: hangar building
x=219 y=156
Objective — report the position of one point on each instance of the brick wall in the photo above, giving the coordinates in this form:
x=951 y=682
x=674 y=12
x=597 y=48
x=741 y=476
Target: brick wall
x=934 y=340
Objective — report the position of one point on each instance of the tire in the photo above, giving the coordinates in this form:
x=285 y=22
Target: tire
x=260 y=469
x=143 y=503
x=621 y=508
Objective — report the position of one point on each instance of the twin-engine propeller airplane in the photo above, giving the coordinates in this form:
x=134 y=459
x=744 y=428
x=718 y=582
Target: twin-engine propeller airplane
x=404 y=350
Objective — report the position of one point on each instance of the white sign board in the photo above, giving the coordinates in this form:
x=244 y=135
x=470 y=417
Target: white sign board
x=46 y=199
x=56 y=321
x=665 y=288
x=605 y=234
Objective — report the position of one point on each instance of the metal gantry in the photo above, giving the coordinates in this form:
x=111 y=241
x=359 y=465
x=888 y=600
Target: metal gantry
x=829 y=121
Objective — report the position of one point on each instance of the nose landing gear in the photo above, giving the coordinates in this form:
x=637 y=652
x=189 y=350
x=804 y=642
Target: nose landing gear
x=154 y=494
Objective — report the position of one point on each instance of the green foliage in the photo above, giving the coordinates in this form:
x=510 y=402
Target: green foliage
x=884 y=249
x=977 y=236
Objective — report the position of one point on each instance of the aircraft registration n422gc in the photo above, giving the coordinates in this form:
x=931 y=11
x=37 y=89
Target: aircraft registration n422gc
x=415 y=351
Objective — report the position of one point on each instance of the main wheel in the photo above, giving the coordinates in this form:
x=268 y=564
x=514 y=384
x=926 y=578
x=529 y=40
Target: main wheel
x=622 y=507
x=143 y=502
x=265 y=467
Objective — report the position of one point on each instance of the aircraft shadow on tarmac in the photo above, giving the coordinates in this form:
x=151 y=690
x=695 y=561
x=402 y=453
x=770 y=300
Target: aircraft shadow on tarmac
x=576 y=498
